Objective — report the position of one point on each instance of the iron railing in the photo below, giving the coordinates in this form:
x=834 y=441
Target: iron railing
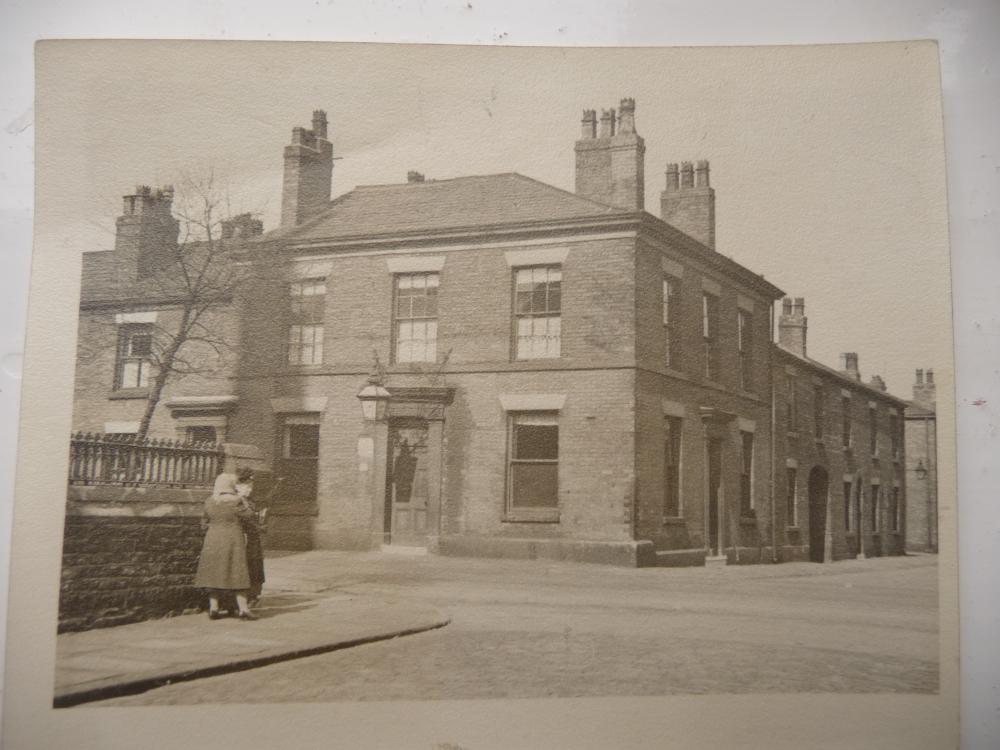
x=99 y=459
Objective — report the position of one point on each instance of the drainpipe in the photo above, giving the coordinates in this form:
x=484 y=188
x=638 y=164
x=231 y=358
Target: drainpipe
x=774 y=424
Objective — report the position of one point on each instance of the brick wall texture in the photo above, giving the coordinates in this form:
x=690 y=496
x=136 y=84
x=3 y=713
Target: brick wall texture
x=128 y=556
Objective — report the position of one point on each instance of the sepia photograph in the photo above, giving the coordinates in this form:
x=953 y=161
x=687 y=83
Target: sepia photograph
x=413 y=373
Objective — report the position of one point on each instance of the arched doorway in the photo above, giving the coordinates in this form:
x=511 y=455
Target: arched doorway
x=818 y=486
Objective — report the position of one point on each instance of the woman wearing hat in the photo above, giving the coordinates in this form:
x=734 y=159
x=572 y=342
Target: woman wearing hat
x=222 y=566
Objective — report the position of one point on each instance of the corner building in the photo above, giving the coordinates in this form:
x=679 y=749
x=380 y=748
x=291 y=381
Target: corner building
x=571 y=377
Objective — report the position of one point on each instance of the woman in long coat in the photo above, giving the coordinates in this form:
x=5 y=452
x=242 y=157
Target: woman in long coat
x=222 y=566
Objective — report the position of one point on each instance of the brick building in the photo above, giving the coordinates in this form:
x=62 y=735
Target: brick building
x=841 y=491
x=921 y=465
x=571 y=377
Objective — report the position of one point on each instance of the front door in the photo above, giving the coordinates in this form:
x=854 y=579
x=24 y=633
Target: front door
x=714 y=486
x=818 y=483
x=407 y=486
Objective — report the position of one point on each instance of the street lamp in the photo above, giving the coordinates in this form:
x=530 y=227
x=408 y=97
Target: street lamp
x=921 y=470
x=374 y=399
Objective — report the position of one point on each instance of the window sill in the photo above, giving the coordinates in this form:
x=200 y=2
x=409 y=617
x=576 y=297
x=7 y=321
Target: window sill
x=792 y=528
x=127 y=393
x=748 y=520
x=524 y=515
x=674 y=521
x=316 y=367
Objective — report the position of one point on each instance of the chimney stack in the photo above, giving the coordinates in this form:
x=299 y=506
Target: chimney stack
x=308 y=172
x=877 y=383
x=924 y=390
x=146 y=233
x=610 y=160
x=792 y=325
x=412 y=176
x=688 y=203
x=241 y=227
x=849 y=366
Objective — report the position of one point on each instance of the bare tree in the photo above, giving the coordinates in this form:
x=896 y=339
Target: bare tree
x=198 y=281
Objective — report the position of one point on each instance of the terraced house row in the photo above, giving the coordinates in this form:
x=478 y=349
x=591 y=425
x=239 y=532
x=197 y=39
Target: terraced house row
x=568 y=376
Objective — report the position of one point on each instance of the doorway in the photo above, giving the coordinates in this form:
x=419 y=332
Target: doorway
x=714 y=497
x=818 y=486
x=407 y=485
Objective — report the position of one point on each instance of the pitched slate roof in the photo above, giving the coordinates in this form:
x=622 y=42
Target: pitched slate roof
x=484 y=200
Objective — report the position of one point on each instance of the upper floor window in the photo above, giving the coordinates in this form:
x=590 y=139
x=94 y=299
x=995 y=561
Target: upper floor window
x=746 y=474
x=792 y=403
x=845 y=420
x=671 y=320
x=135 y=349
x=819 y=411
x=305 y=329
x=416 y=317
x=744 y=324
x=710 y=334
x=537 y=309
x=894 y=435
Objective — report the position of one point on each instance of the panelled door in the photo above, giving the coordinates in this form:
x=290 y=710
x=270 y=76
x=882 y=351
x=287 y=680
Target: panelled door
x=407 y=486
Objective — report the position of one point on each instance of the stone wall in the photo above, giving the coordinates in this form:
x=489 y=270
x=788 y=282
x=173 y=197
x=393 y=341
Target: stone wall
x=129 y=554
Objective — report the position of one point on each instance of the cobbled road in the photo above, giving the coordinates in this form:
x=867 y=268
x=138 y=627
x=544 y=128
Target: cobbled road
x=532 y=629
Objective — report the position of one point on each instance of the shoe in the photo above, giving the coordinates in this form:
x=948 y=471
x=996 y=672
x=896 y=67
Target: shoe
x=248 y=616
x=214 y=615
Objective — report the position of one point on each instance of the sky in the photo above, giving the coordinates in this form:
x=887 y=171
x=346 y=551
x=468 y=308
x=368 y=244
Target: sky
x=827 y=161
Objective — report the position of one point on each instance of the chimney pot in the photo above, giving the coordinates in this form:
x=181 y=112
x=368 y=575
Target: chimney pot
x=626 y=116
x=849 y=365
x=930 y=377
x=412 y=176
x=687 y=175
x=701 y=174
x=607 y=123
x=920 y=377
x=319 y=123
x=673 y=178
x=588 y=125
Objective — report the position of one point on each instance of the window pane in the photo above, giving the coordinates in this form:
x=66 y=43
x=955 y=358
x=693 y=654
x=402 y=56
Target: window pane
x=140 y=345
x=303 y=440
x=536 y=441
x=534 y=486
x=130 y=375
x=201 y=434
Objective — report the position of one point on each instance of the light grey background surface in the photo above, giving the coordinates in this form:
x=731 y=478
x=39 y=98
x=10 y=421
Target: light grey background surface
x=968 y=33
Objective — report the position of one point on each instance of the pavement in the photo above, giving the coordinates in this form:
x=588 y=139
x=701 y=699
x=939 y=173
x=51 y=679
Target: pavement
x=300 y=616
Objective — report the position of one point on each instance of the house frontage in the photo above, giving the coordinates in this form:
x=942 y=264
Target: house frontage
x=569 y=377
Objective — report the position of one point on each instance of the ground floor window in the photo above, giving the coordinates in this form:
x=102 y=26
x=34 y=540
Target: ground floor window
x=894 y=509
x=875 y=508
x=791 y=513
x=746 y=474
x=848 y=525
x=200 y=434
x=298 y=437
x=533 y=466
x=672 y=467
